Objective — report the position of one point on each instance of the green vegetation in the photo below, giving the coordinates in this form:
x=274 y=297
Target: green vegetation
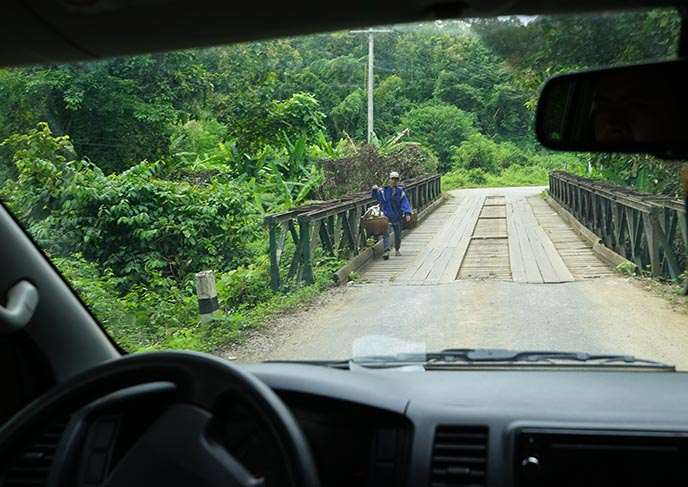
x=133 y=174
x=627 y=268
x=551 y=45
x=480 y=161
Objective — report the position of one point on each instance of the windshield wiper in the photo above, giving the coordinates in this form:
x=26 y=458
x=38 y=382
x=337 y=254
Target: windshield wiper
x=489 y=357
x=500 y=357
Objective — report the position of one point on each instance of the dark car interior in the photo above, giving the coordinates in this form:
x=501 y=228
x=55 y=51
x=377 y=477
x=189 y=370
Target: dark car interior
x=76 y=410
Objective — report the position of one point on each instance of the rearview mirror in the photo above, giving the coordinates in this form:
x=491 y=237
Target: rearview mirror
x=638 y=108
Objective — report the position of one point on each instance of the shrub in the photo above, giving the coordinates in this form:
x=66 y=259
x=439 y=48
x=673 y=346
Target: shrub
x=455 y=179
x=477 y=152
x=245 y=286
x=368 y=166
x=136 y=222
x=477 y=176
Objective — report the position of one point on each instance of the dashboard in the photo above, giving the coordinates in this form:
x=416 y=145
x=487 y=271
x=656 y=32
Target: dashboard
x=502 y=427
x=411 y=427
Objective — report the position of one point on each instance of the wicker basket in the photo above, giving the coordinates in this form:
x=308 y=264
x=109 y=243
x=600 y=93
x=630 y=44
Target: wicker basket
x=375 y=226
x=407 y=225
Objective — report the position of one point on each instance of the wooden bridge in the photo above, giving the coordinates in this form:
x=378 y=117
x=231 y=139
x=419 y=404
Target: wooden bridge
x=507 y=234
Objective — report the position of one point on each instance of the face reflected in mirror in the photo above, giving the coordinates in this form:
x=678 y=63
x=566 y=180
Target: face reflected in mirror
x=636 y=109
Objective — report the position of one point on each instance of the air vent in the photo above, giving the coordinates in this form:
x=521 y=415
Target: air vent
x=32 y=467
x=459 y=456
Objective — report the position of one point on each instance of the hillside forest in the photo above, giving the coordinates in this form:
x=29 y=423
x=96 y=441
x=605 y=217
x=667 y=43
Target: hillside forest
x=135 y=173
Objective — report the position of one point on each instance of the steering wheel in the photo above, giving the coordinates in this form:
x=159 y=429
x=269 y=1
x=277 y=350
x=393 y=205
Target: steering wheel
x=178 y=448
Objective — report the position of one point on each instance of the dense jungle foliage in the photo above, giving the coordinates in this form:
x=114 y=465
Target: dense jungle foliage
x=135 y=173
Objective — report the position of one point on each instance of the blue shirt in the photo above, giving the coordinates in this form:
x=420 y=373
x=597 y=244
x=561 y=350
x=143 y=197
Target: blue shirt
x=394 y=206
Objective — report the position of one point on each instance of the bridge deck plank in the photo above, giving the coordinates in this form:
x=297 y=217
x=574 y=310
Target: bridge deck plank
x=521 y=249
x=414 y=248
x=462 y=239
x=446 y=251
x=523 y=265
x=463 y=247
x=537 y=250
x=577 y=254
x=436 y=261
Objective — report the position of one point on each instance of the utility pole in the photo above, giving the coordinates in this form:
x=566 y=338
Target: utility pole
x=371 y=61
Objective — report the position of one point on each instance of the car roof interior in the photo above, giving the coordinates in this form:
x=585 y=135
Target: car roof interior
x=515 y=409
x=71 y=30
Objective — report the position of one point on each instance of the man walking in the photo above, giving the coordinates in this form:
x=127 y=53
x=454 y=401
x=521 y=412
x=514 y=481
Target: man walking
x=395 y=206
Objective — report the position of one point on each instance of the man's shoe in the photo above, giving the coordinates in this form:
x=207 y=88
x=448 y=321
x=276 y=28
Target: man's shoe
x=397 y=253
x=385 y=256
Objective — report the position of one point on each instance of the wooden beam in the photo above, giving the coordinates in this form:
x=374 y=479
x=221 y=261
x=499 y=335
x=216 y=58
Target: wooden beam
x=306 y=255
x=274 y=254
x=294 y=233
x=295 y=266
x=348 y=232
x=280 y=243
x=326 y=239
x=652 y=237
x=338 y=232
x=666 y=241
x=315 y=236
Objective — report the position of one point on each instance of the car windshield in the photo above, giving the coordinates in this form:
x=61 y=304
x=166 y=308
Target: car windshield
x=376 y=194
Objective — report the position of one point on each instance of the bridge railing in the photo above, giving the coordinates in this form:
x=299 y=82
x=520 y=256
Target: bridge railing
x=333 y=227
x=646 y=229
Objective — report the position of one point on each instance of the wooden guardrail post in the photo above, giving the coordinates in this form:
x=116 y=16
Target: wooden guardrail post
x=306 y=254
x=274 y=262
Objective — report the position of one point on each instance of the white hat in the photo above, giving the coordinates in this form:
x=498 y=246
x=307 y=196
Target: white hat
x=394 y=175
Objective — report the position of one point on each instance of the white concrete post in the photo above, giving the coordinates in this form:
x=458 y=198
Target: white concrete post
x=207 y=295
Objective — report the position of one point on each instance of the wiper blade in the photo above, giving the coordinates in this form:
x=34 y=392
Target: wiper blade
x=500 y=356
x=488 y=356
x=534 y=356
x=338 y=364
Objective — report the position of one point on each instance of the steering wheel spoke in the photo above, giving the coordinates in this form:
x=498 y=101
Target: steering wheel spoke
x=179 y=446
x=176 y=451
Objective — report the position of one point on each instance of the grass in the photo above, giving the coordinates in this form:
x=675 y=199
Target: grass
x=626 y=268
x=231 y=327
x=163 y=318
x=673 y=293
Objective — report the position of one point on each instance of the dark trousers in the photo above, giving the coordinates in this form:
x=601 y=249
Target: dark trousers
x=397 y=235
